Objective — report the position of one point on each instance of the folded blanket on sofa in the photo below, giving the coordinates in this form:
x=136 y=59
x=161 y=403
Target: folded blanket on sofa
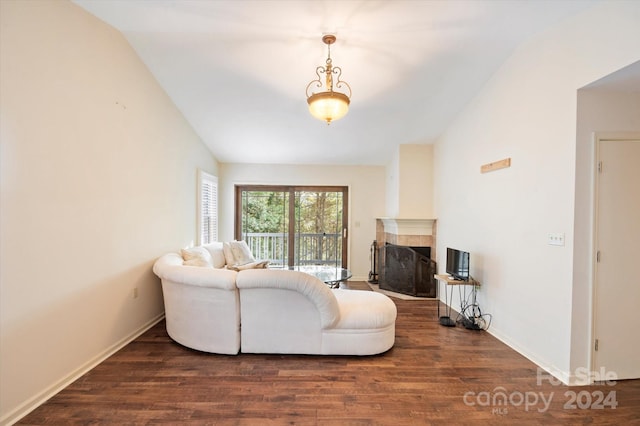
x=261 y=264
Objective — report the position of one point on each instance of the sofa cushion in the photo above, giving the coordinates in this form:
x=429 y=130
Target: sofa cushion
x=170 y=267
x=217 y=254
x=361 y=310
x=196 y=256
x=311 y=287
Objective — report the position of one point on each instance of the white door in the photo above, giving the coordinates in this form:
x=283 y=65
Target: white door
x=617 y=277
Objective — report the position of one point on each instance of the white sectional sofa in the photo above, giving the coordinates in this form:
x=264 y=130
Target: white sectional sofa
x=202 y=305
x=224 y=311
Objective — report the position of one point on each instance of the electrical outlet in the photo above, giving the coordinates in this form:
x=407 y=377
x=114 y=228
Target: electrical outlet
x=555 y=239
x=135 y=292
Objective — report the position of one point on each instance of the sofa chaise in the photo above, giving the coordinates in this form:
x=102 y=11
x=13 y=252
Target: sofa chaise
x=219 y=310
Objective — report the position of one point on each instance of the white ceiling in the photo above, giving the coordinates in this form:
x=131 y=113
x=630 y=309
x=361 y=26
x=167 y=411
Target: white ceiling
x=238 y=69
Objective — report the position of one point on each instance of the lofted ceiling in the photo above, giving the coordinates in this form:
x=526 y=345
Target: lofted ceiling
x=238 y=69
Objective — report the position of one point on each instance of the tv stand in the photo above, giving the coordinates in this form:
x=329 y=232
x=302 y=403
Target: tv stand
x=450 y=282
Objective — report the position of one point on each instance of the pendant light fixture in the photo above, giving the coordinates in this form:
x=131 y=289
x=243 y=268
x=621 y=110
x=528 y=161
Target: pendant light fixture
x=328 y=105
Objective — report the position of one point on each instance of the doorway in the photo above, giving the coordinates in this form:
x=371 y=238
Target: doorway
x=617 y=232
x=293 y=225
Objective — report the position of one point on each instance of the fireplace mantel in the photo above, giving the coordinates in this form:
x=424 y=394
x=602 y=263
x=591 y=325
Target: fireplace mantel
x=402 y=226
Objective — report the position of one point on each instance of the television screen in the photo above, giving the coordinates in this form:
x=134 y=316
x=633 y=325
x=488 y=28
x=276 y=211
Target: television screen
x=458 y=264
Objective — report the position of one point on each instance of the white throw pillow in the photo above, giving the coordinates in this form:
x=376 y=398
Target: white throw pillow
x=217 y=254
x=241 y=253
x=228 y=254
x=196 y=256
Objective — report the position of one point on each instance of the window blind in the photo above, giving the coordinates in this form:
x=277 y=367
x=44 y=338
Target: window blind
x=207 y=208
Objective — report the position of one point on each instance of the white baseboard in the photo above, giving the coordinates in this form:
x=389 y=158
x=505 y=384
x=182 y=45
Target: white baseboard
x=561 y=375
x=359 y=278
x=31 y=404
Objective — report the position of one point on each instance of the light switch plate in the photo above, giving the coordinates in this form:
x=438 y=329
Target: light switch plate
x=555 y=239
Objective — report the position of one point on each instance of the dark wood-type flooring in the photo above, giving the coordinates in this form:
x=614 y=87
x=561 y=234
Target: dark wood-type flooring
x=433 y=375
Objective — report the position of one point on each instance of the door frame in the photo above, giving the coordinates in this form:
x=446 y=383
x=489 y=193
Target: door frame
x=597 y=138
x=292 y=189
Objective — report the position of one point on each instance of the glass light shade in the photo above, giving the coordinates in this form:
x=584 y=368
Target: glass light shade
x=328 y=106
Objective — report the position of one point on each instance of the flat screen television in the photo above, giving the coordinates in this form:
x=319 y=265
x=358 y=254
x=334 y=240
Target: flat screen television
x=458 y=264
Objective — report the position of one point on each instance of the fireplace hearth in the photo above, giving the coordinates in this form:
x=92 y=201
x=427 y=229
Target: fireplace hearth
x=408 y=270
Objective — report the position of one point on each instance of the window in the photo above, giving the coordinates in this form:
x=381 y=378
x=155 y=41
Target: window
x=293 y=225
x=207 y=208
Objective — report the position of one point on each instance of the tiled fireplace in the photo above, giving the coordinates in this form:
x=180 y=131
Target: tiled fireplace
x=406 y=248
x=407 y=232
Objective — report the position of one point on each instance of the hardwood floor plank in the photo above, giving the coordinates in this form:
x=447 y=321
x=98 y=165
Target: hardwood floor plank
x=433 y=375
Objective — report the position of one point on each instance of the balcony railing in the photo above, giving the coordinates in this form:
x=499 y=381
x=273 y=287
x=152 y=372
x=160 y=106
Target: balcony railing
x=310 y=249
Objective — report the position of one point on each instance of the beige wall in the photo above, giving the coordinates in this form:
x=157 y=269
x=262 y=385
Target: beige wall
x=98 y=178
x=527 y=112
x=392 y=186
x=366 y=199
x=416 y=181
x=409 y=182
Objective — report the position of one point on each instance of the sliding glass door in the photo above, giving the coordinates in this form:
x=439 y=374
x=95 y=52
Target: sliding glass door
x=262 y=220
x=293 y=225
